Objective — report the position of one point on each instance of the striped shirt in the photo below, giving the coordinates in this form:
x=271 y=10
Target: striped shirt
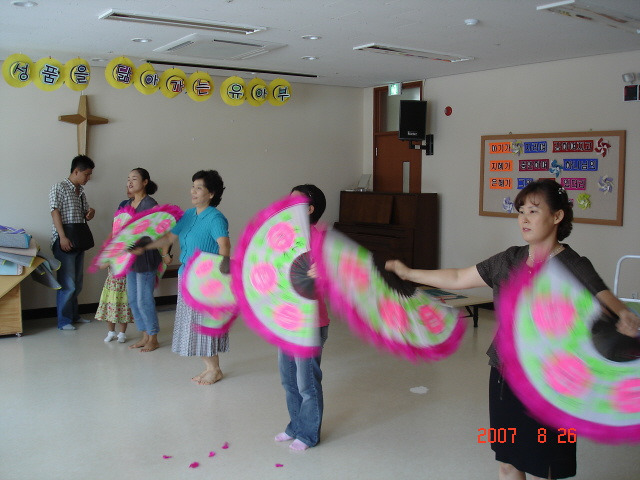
x=72 y=207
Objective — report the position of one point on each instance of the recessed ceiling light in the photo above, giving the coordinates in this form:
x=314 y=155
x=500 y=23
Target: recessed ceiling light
x=471 y=22
x=311 y=37
x=309 y=58
x=24 y=4
x=141 y=40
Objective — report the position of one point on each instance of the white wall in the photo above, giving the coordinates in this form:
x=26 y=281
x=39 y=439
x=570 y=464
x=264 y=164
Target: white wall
x=565 y=96
x=323 y=135
x=260 y=152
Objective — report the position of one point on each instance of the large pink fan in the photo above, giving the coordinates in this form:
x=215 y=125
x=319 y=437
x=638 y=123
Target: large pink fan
x=120 y=219
x=414 y=326
x=207 y=289
x=263 y=277
x=551 y=361
x=152 y=223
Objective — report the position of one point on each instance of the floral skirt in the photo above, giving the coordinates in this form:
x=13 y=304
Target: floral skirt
x=114 y=304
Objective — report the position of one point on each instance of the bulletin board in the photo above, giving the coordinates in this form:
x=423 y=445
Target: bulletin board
x=588 y=165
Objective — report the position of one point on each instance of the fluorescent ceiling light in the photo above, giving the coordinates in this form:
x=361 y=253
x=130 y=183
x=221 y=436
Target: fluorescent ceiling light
x=411 y=52
x=252 y=71
x=571 y=8
x=180 y=22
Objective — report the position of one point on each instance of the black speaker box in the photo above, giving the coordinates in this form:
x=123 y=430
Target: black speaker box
x=413 y=120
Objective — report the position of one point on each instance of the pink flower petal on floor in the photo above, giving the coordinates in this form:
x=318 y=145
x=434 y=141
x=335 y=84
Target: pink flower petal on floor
x=279 y=465
x=212 y=454
x=166 y=456
x=194 y=465
x=226 y=445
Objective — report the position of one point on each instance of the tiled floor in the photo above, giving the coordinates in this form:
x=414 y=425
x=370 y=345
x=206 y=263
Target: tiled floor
x=73 y=407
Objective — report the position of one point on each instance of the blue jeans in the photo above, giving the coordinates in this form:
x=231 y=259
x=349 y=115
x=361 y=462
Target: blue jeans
x=70 y=277
x=302 y=382
x=140 y=287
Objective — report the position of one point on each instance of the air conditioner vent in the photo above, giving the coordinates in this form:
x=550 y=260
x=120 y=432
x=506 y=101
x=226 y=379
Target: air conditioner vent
x=208 y=46
x=179 y=46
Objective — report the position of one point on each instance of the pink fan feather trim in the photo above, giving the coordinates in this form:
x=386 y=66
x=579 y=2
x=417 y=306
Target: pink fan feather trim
x=359 y=325
x=517 y=378
x=237 y=286
x=211 y=310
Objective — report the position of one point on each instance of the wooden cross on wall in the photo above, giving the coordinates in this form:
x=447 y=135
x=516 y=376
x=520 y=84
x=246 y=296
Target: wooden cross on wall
x=82 y=119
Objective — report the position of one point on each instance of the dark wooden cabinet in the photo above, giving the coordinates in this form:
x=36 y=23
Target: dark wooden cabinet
x=405 y=226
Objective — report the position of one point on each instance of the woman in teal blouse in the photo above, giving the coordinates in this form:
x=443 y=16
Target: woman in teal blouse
x=204 y=228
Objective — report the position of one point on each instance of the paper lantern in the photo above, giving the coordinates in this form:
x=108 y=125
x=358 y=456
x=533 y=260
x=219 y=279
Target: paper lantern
x=199 y=86
x=172 y=82
x=119 y=72
x=232 y=91
x=17 y=70
x=257 y=92
x=145 y=79
x=77 y=74
x=48 y=74
x=279 y=92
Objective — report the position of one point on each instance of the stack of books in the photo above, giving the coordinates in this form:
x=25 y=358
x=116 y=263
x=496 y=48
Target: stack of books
x=17 y=250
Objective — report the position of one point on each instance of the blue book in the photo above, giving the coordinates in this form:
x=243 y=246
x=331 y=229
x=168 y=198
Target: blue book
x=10 y=268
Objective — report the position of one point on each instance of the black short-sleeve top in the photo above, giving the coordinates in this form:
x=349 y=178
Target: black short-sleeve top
x=496 y=270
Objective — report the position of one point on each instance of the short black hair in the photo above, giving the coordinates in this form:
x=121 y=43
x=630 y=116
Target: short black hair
x=213 y=182
x=82 y=163
x=316 y=199
x=555 y=196
x=152 y=187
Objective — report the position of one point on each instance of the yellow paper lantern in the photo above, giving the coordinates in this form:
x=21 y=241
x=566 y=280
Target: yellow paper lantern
x=145 y=79
x=199 y=86
x=77 y=74
x=17 y=70
x=257 y=92
x=232 y=91
x=279 y=92
x=172 y=82
x=48 y=74
x=119 y=72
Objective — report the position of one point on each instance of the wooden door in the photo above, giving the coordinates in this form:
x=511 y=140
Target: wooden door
x=390 y=155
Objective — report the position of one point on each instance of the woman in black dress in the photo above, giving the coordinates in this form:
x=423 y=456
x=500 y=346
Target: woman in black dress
x=544 y=216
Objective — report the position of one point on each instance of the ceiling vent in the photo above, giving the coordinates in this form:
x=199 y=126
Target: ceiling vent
x=180 y=22
x=410 y=52
x=207 y=46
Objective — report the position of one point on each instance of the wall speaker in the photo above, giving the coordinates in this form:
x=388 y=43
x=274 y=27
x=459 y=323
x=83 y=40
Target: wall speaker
x=413 y=120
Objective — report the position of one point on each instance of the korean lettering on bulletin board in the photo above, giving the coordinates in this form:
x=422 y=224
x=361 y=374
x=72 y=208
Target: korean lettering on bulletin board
x=588 y=165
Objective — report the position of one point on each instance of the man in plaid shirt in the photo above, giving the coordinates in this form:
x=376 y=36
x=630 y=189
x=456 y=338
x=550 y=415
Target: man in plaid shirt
x=68 y=204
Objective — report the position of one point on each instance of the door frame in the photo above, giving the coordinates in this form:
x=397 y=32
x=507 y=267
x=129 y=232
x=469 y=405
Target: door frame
x=379 y=110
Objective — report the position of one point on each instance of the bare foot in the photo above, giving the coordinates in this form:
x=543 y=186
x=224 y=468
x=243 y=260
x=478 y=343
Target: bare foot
x=210 y=377
x=150 y=346
x=199 y=376
x=139 y=344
